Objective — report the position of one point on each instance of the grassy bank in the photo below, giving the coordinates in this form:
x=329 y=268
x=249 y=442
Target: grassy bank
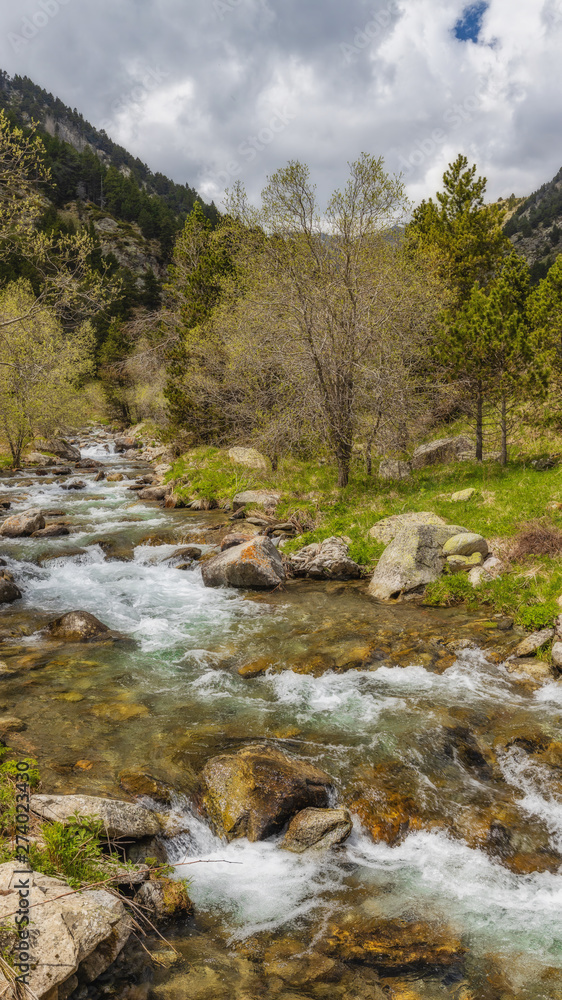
x=505 y=508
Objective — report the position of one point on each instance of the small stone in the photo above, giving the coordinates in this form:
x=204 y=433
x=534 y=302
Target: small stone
x=534 y=642
x=75 y=484
x=465 y=544
x=70 y=696
x=460 y=564
x=255 y=668
x=463 y=495
x=115 y=477
x=505 y=624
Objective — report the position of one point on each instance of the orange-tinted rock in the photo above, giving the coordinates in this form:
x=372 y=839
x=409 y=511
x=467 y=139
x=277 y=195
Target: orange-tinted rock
x=254 y=792
x=393 y=944
x=384 y=798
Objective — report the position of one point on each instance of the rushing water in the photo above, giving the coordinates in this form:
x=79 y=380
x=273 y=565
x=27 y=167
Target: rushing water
x=175 y=698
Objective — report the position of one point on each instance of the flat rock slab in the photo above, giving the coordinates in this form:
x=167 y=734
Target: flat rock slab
x=72 y=932
x=119 y=819
x=254 y=792
x=256 y=563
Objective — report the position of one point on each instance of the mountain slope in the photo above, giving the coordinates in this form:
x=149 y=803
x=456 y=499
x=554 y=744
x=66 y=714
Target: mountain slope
x=536 y=225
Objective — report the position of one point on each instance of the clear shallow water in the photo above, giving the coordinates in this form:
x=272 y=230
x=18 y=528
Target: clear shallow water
x=176 y=698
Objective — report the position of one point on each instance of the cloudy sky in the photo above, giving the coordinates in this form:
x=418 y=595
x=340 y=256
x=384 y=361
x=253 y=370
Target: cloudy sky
x=210 y=91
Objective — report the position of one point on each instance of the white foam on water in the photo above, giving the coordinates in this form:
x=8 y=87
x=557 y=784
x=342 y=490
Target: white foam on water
x=535 y=782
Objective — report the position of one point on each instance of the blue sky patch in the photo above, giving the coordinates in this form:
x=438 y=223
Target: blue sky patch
x=467 y=28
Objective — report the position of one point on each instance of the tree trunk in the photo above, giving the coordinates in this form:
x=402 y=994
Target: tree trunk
x=479 y=423
x=343 y=458
x=274 y=462
x=504 y=430
x=369 y=446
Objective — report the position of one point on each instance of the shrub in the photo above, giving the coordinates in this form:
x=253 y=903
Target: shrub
x=536 y=538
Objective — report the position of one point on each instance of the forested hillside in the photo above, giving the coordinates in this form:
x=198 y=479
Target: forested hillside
x=87 y=165
x=535 y=227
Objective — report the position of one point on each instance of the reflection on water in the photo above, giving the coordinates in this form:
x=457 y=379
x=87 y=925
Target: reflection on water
x=339 y=679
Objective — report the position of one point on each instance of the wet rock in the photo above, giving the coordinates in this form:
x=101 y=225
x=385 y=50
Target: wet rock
x=463 y=495
x=465 y=544
x=532 y=643
x=387 y=800
x=22 y=525
x=239 y=538
x=76 y=626
x=391 y=468
x=11 y=724
x=99 y=477
x=412 y=560
x=124 y=444
x=393 y=944
x=62 y=448
x=533 y=668
x=254 y=564
x=142 y=783
x=88 y=463
x=248 y=456
x=185 y=552
x=73 y=933
x=256 y=667
x=440 y=452
x=263 y=498
x=328 y=560
x=119 y=819
x=74 y=484
x=202 y=503
x=153 y=493
x=254 y=792
x=9 y=591
x=52 y=531
x=119 y=711
x=115 y=477
x=388 y=528
x=318 y=829
x=61 y=470
x=165 y=899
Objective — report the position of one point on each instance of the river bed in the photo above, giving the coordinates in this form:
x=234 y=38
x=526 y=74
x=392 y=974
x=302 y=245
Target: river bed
x=418 y=696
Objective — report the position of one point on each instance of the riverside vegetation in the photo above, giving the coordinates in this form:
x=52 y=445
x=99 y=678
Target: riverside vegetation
x=381 y=779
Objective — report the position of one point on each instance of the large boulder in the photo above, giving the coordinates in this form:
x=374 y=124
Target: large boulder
x=328 y=560
x=392 y=468
x=440 y=452
x=263 y=498
x=414 y=559
x=254 y=792
x=76 y=626
x=248 y=456
x=164 y=899
x=154 y=493
x=119 y=819
x=9 y=591
x=72 y=932
x=122 y=444
x=256 y=563
x=22 y=525
x=318 y=829
x=60 y=447
x=389 y=527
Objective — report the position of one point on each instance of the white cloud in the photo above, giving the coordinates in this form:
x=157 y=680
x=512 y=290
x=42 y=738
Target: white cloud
x=384 y=76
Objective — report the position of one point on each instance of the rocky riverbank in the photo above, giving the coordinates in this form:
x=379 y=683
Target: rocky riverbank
x=358 y=774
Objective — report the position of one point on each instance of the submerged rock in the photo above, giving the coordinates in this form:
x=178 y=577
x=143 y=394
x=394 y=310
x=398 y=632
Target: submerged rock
x=393 y=944
x=254 y=792
x=73 y=933
x=328 y=560
x=414 y=559
x=318 y=829
x=76 y=626
x=22 y=525
x=119 y=819
x=256 y=563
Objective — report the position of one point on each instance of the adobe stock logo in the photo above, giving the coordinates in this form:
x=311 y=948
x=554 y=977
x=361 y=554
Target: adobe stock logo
x=32 y=24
